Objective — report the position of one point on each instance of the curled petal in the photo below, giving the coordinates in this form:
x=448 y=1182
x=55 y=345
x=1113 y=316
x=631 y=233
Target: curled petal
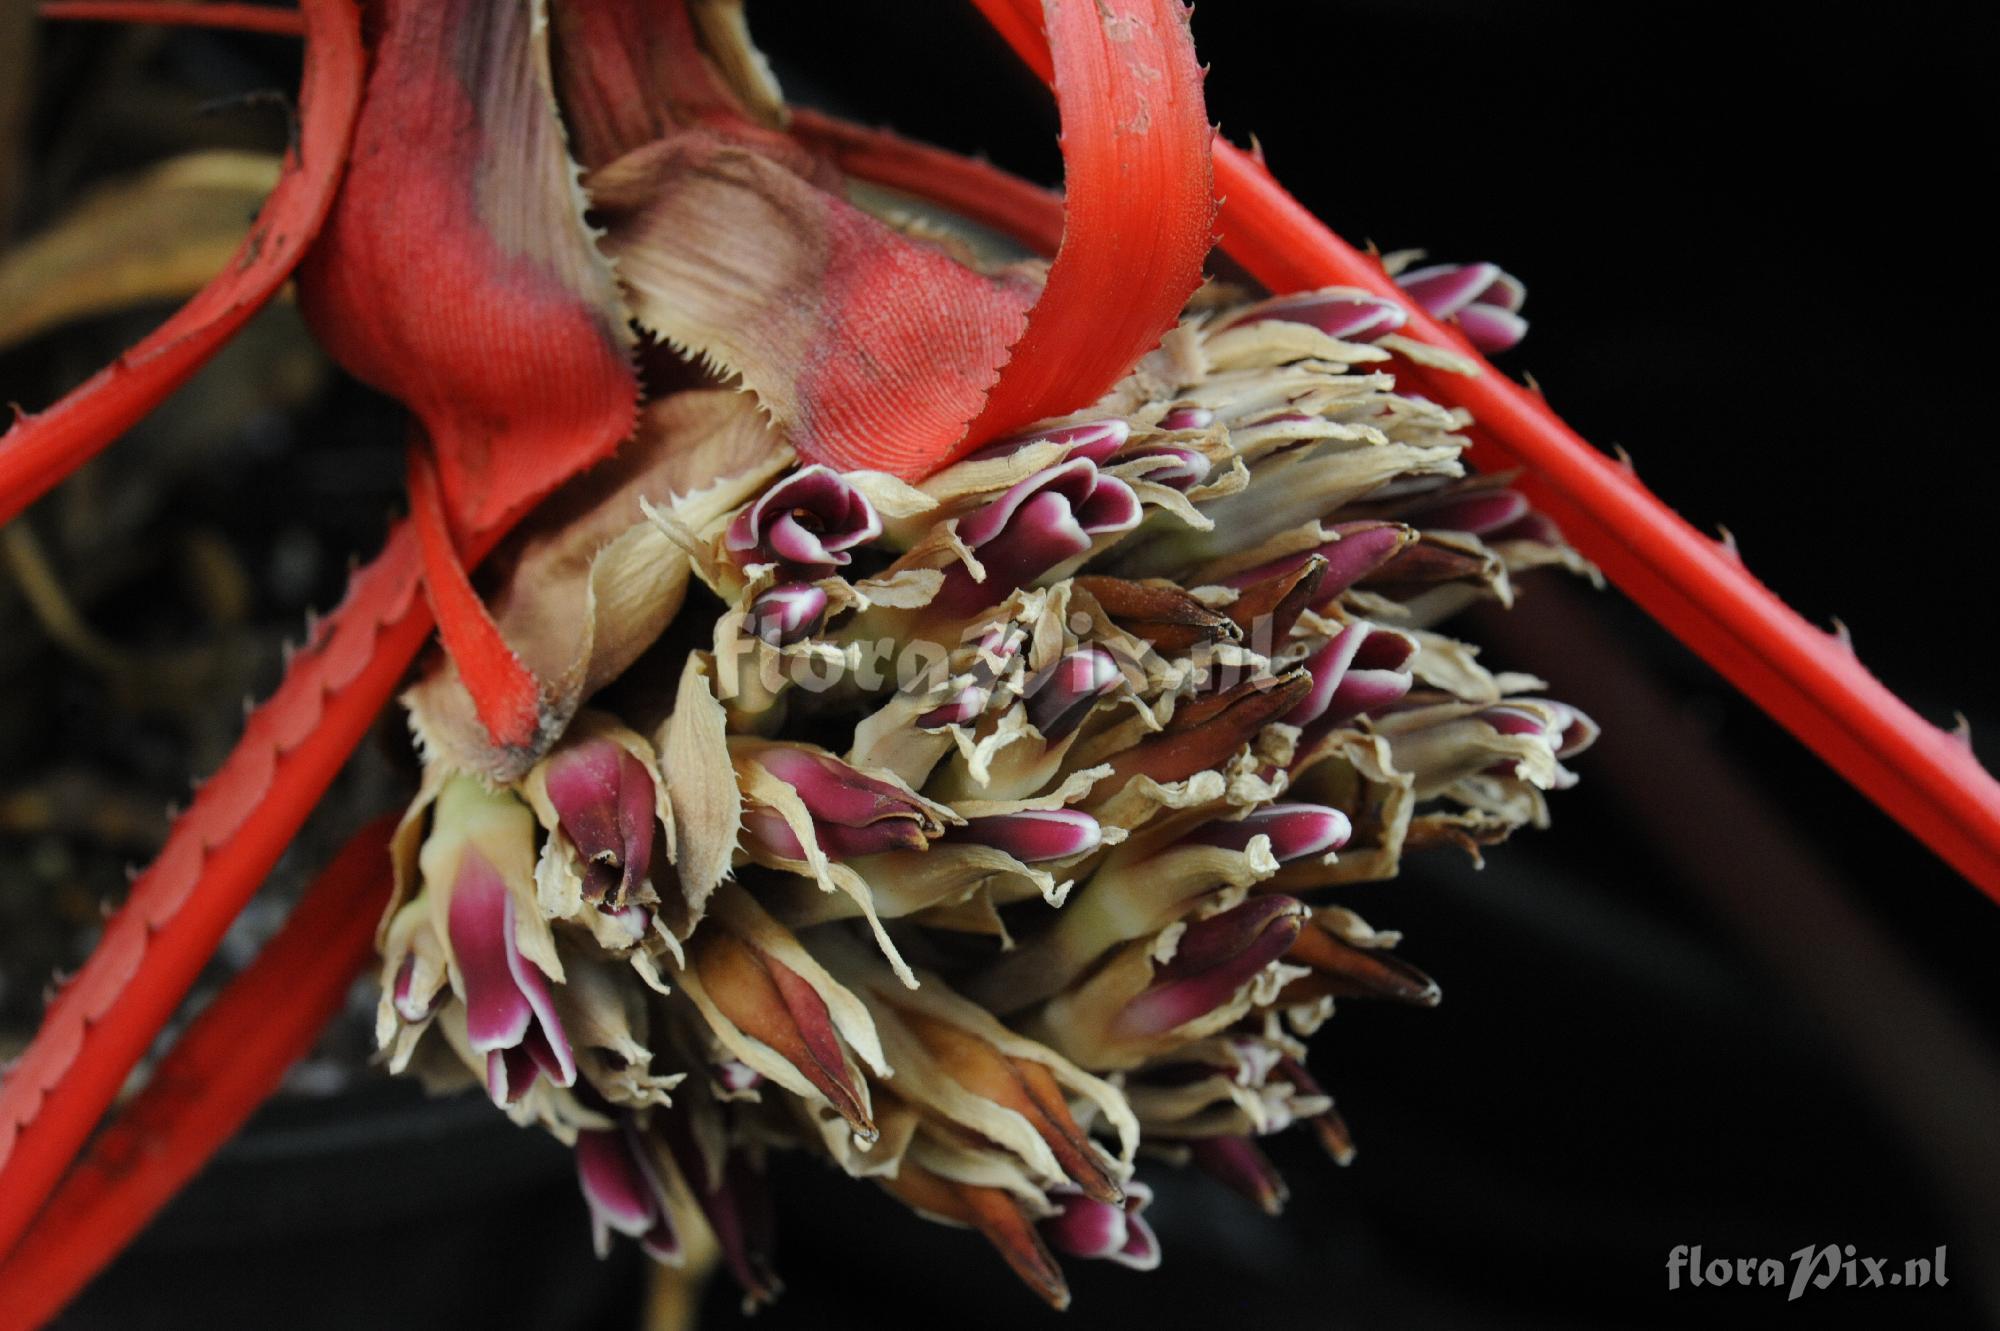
x=1052 y=516
x=807 y=524
x=1117 y=1232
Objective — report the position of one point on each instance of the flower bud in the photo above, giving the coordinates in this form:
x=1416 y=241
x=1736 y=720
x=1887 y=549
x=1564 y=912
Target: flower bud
x=1363 y=548
x=624 y=1192
x=1214 y=959
x=605 y=804
x=852 y=813
x=787 y=613
x=995 y=1213
x=1485 y=301
x=1033 y=836
x=1295 y=830
x=1342 y=970
x=1095 y=440
x=1241 y=1165
x=1062 y=697
x=776 y=1006
x=1359 y=669
x=1187 y=418
x=479 y=841
x=806 y=524
x=1348 y=313
x=1476 y=512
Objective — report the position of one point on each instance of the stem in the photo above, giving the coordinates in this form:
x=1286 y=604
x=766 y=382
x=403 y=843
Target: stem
x=240 y=17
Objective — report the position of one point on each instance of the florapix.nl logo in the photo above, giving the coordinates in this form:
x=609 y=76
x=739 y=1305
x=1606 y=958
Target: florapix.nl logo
x=1817 y=1268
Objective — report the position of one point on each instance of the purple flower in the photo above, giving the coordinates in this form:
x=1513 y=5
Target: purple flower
x=1052 y=516
x=510 y=1015
x=624 y=1191
x=1360 y=669
x=604 y=801
x=1088 y=1228
x=1348 y=313
x=1295 y=830
x=1213 y=960
x=853 y=813
x=786 y=613
x=1485 y=301
x=1064 y=695
x=805 y=523
x=1095 y=440
x=1035 y=835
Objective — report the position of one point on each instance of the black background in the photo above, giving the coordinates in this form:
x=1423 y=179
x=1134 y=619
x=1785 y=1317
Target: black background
x=1723 y=1001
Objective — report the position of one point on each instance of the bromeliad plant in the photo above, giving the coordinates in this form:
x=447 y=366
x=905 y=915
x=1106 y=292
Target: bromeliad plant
x=925 y=740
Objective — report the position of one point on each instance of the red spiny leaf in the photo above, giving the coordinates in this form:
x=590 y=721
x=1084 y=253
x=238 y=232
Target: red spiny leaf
x=1140 y=206
x=503 y=690
x=455 y=272
x=215 y=858
x=228 y=1062
x=976 y=190
x=1915 y=771
x=240 y=17
x=1705 y=597
x=42 y=449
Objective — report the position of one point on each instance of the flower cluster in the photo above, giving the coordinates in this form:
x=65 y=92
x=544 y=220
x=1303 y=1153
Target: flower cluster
x=1056 y=894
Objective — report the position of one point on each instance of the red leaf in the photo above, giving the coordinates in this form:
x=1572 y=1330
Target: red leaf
x=228 y=1062
x=1140 y=206
x=42 y=449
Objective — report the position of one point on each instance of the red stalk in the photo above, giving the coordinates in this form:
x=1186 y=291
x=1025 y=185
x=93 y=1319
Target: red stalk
x=240 y=17
x=504 y=691
x=229 y=1062
x=40 y=449
x=1804 y=678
